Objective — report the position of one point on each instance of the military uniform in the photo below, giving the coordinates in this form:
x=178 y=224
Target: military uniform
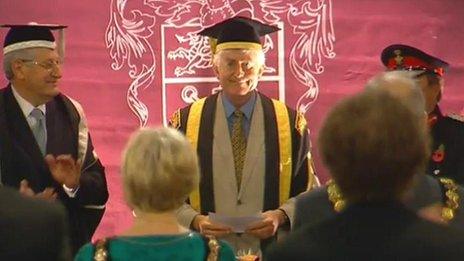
x=447 y=158
x=371 y=231
x=324 y=203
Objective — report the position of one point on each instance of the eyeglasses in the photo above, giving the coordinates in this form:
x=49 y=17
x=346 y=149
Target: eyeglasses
x=48 y=65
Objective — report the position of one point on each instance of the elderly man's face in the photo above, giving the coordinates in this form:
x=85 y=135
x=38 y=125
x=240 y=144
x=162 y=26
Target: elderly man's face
x=431 y=92
x=238 y=71
x=41 y=75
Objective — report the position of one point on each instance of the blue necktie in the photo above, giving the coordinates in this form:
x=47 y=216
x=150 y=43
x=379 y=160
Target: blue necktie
x=38 y=129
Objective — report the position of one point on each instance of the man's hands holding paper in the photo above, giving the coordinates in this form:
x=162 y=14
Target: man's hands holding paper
x=261 y=226
x=207 y=227
x=268 y=226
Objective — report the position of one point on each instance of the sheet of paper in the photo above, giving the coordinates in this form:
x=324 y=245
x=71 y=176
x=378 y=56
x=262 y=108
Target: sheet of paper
x=238 y=224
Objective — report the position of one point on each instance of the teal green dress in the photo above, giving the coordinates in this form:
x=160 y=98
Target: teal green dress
x=188 y=246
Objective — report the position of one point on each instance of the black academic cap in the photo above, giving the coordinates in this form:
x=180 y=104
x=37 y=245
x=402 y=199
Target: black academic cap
x=404 y=57
x=23 y=36
x=237 y=33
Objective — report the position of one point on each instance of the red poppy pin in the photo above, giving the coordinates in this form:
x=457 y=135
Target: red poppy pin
x=439 y=155
x=432 y=120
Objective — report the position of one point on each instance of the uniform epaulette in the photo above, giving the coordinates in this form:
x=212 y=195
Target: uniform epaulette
x=456 y=116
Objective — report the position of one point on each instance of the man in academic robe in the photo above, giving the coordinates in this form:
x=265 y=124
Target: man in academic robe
x=44 y=137
x=253 y=150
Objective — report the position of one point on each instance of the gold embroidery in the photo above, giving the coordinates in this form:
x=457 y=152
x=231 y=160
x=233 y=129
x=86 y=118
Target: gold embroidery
x=101 y=252
x=174 y=121
x=300 y=123
x=448 y=211
x=335 y=196
x=214 y=247
x=452 y=199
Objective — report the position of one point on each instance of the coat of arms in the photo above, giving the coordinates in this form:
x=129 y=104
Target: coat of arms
x=157 y=41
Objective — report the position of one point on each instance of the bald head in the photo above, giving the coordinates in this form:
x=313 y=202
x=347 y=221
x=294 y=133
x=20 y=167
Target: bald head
x=402 y=85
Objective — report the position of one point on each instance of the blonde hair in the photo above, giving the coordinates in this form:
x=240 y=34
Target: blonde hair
x=159 y=169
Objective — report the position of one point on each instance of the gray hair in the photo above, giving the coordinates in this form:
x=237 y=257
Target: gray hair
x=159 y=170
x=9 y=58
x=402 y=85
x=362 y=142
x=261 y=58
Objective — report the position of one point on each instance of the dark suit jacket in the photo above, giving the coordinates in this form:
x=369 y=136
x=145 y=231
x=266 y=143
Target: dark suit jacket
x=314 y=206
x=66 y=134
x=382 y=231
x=32 y=229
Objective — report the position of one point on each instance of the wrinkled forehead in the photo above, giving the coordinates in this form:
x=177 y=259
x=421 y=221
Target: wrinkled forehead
x=238 y=54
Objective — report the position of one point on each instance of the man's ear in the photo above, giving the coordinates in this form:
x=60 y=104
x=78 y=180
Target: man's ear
x=261 y=71
x=438 y=89
x=215 y=70
x=441 y=86
x=17 y=67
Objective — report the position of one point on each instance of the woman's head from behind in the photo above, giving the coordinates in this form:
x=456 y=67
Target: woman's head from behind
x=159 y=170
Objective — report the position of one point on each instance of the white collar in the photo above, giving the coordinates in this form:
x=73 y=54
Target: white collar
x=26 y=107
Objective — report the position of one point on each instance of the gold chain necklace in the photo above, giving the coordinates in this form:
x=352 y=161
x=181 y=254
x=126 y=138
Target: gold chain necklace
x=335 y=196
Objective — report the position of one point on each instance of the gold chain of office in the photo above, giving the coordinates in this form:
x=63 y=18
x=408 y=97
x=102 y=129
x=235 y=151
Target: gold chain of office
x=448 y=211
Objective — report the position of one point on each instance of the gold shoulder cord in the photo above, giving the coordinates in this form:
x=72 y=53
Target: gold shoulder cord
x=452 y=199
x=335 y=196
x=448 y=212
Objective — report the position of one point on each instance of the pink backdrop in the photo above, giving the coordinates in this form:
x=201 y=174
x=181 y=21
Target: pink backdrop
x=131 y=63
